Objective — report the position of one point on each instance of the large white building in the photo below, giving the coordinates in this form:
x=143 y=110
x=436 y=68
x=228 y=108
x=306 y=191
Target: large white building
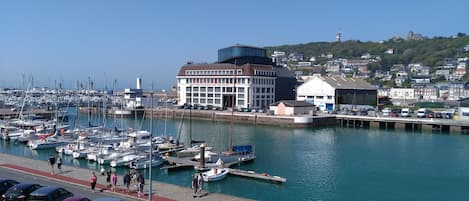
x=213 y=84
x=332 y=93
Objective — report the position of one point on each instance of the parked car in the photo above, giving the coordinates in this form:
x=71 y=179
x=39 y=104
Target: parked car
x=405 y=112
x=5 y=184
x=19 y=192
x=431 y=115
x=386 y=112
x=422 y=112
x=77 y=198
x=50 y=193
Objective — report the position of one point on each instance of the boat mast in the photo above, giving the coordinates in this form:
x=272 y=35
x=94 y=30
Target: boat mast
x=230 y=148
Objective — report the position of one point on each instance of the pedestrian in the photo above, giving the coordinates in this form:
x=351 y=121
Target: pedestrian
x=127 y=181
x=200 y=183
x=93 y=180
x=134 y=179
x=59 y=163
x=195 y=184
x=52 y=163
x=114 y=181
x=108 y=178
x=141 y=184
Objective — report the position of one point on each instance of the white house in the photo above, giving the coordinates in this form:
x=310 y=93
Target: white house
x=401 y=93
x=329 y=92
x=291 y=107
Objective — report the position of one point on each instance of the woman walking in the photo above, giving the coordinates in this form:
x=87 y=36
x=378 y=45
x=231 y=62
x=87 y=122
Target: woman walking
x=195 y=184
x=114 y=181
x=59 y=163
x=51 y=163
x=93 y=180
x=141 y=184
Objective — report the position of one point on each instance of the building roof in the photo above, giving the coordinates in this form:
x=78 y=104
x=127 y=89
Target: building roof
x=293 y=103
x=347 y=83
x=248 y=69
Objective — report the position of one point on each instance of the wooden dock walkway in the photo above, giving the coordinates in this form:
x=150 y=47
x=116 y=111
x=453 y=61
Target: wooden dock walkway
x=187 y=162
x=252 y=174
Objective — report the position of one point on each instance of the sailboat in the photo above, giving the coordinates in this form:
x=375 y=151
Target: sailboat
x=194 y=148
x=168 y=142
x=237 y=153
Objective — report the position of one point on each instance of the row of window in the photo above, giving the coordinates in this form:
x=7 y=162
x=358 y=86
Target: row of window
x=203 y=95
x=230 y=81
x=267 y=90
x=264 y=73
x=316 y=97
x=213 y=72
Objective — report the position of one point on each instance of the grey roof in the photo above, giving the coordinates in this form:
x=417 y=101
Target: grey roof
x=293 y=103
x=347 y=83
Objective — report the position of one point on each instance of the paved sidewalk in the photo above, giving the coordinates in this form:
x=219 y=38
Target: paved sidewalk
x=80 y=176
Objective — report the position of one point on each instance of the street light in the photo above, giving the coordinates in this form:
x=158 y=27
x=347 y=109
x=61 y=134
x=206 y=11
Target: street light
x=151 y=148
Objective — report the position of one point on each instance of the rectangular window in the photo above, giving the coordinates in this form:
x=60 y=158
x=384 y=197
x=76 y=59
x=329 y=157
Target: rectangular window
x=202 y=89
x=210 y=95
x=217 y=89
x=241 y=89
x=320 y=97
x=209 y=101
x=217 y=101
x=210 y=89
x=202 y=100
x=196 y=88
x=329 y=97
x=217 y=95
x=202 y=94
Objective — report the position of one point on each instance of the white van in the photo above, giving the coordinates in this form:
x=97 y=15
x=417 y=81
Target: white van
x=386 y=112
x=422 y=112
x=405 y=112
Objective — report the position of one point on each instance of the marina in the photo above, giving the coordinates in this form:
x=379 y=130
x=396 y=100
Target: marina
x=330 y=163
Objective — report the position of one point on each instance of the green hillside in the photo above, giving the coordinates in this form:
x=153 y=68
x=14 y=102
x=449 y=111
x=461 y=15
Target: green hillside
x=430 y=52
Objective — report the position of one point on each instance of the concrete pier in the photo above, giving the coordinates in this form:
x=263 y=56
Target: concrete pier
x=80 y=177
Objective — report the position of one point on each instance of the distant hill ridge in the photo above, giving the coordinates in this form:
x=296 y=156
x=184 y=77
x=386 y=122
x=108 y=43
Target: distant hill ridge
x=428 y=51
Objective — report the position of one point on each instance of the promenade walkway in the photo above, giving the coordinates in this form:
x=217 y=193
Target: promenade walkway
x=80 y=177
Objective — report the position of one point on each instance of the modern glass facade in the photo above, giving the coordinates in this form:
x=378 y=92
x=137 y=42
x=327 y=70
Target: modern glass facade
x=240 y=51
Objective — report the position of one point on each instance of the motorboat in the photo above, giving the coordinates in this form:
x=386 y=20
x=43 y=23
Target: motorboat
x=46 y=143
x=191 y=151
x=215 y=174
x=125 y=160
x=145 y=163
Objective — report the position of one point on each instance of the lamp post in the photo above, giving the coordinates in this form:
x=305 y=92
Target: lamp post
x=151 y=148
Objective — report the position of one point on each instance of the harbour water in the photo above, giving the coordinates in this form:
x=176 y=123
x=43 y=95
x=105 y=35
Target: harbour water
x=320 y=164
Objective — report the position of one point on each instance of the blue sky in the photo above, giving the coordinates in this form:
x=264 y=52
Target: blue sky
x=66 y=41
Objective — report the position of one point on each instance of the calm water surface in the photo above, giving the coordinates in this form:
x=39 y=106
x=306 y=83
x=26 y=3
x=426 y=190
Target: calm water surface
x=320 y=164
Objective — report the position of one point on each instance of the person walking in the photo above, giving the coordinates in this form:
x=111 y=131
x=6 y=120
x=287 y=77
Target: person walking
x=127 y=181
x=114 y=181
x=141 y=184
x=93 y=180
x=51 y=163
x=59 y=163
x=195 y=184
x=108 y=178
x=200 y=183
